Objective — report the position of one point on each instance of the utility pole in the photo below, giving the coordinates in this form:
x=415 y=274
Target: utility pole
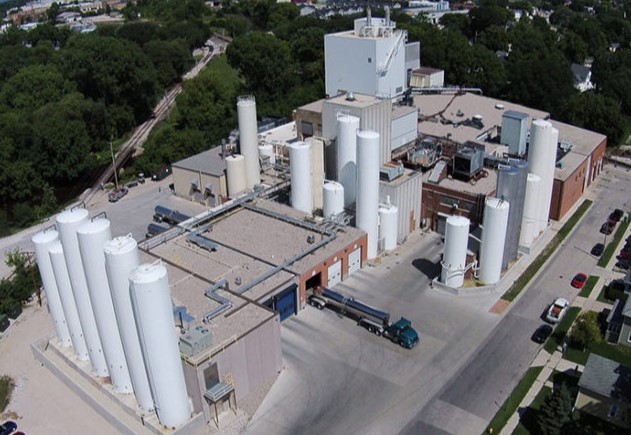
x=114 y=165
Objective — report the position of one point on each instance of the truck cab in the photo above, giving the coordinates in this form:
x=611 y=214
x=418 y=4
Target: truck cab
x=401 y=332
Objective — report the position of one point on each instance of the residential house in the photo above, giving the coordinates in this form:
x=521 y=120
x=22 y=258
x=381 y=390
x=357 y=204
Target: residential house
x=582 y=77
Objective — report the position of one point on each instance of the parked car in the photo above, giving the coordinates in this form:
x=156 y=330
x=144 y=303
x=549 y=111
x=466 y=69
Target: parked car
x=8 y=427
x=557 y=310
x=117 y=194
x=623 y=264
x=598 y=249
x=607 y=228
x=316 y=301
x=624 y=255
x=579 y=280
x=542 y=333
x=616 y=215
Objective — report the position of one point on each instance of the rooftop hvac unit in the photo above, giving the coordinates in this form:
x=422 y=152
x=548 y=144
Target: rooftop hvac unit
x=195 y=341
x=468 y=162
x=390 y=171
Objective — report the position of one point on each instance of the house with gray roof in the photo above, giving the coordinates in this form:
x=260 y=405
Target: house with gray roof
x=604 y=390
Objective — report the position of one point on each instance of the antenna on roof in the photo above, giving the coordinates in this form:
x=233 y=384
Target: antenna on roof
x=368 y=15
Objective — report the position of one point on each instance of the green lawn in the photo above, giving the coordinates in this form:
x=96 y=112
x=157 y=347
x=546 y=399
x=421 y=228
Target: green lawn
x=556 y=339
x=568 y=379
x=612 y=246
x=528 y=421
x=219 y=64
x=538 y=262
x=589 y=286
x=510 y=406
x=618 y=353
x=6 y=388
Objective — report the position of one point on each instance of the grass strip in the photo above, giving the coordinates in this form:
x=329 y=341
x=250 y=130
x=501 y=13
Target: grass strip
x=528 y=422
x=509 y=407
x=538 y=262
x=615 y=352
x=611 y=247
x=556 y=339
x=589 y=286
x=6 y=389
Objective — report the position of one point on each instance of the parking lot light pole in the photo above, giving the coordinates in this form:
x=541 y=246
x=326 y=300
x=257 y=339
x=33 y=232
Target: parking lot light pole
x=114 y=165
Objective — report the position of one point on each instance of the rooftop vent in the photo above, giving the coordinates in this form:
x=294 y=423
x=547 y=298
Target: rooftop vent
x=350 y=96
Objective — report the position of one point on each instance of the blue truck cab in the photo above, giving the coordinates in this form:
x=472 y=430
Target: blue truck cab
x=401 y=332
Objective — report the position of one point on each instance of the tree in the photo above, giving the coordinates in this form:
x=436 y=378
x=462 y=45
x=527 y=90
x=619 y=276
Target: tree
x=556 y=412
x=586 y=330
x=171 y=59
x=34 y=86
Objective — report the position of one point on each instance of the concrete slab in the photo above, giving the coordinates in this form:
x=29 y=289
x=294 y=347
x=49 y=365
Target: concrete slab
x=453 y=420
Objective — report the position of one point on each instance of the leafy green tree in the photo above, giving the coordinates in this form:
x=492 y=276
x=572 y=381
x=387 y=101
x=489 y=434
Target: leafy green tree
x=586 y=330
x=281 y=13
x=573 y=47
x=171 y=59
x=556 y=412
x=489 y=14
x=457 y=22
x=494 y=38
x=140 y=32
x=34 y=86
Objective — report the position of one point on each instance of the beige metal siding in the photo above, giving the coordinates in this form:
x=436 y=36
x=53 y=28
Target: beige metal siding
x=407 y=197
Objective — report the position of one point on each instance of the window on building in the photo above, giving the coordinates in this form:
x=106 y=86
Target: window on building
x=613 y=411
x=370 y=60
x=307 y=128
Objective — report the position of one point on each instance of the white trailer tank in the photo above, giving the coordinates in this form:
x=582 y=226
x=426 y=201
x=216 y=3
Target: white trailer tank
x=43 y=241
x=455 y=254
x=92 y=238
x=121 y=258
x=493 y=239
x=153 y=311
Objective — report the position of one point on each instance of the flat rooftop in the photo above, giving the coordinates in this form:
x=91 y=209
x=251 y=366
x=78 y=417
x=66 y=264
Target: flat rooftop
x=207 y=162
x=282 y=133
x=484 y=185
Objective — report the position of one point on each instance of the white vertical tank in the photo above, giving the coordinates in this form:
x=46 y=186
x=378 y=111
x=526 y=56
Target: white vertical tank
x=317 y=170
x=92 y=238
x=43 y=241
x=68 y=222
x=153 y=311
x=267 y=150
x=347 y=127
x=235 y=174
x=542 y=161
x=455 y=255
x=529 y=225
x=300 y=169
x=389 y=225
x=494 y=228
x=58 y=263
x=121 y=258
x=333 y=193
x=248 y=141
x=367 y=202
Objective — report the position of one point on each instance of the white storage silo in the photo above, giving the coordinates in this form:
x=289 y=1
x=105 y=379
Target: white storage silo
x=542 y=161
x=235 y=174
x=511 y=187
x=367 y=201
x=43 y=241
x=300 y=169
x=92 y=238
x=153 y=313
x=121 y=258
x=347 y=127
x=267 y=150
x=58 y=262
x=389 y=226
x=529 y=224
x=333 y=202
x=317 y=171
x=248 y=141
x=494 y=228
x=455 y=254
x=67 y=223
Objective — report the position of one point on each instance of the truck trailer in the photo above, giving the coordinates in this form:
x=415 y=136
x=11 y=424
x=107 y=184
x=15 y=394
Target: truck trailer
x=373 y=319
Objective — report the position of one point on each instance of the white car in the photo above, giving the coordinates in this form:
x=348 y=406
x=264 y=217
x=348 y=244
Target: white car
x=557 y=310
x=316 y=301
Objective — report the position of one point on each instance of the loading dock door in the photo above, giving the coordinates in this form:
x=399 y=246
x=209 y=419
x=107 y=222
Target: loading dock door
x=285 y=302
x=335 y=273
x=354 y=260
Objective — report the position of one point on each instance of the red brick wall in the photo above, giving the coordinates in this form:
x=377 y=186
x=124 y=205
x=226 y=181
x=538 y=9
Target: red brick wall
x=566 y=194
x=431 y=204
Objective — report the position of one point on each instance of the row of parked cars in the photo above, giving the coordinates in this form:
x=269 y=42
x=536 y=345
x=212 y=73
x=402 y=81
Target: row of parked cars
x=612 y=220
x=624 y=256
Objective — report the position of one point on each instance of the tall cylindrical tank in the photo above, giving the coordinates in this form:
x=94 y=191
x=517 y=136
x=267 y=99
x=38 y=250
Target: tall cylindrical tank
x=121 y=258
x=495 y=223
x=389 y=226
x=248 y=142
x=58 y=262
x=542 y=161
x=68 y=222
x=367 y=201
x=92 y=238
x=347 y=127
x=153 y=311
x=235 y=174
x=455 y=255
x=43 y=241
x=529 y=225
x=300 y=169
x=333 y=199
x=267 y=150
x=510 y=188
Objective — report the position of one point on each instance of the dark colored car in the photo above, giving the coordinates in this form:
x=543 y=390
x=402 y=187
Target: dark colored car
x=579 y=280
x=623 y=264
x=607 y=228
x=598 y=249
x=624 y=255
x=8 y=427
x=117 y=194
x=542 y=333
x=616 y=215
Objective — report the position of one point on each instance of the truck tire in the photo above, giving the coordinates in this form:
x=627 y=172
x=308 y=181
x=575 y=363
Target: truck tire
x=378 y=333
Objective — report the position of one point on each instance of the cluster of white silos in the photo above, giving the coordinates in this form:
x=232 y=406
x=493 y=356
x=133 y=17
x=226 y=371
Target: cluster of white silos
x=99 y=298
x=494 y=226
x=542 y=162
x=455 y=254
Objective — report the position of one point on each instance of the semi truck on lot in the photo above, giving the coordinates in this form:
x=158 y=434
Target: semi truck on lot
x=373 y=319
